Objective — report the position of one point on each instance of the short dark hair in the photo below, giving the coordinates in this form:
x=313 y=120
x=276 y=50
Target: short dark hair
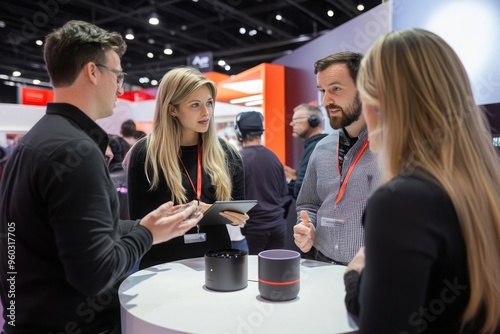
x=249 y=136
x=119 y=147
x=351 y=59
x=76 y=43
x=128 y=128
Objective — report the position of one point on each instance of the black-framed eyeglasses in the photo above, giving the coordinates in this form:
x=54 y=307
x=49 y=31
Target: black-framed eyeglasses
x=120 y=76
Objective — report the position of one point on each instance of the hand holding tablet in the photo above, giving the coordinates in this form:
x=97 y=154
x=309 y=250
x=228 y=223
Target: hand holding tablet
x=212 y=215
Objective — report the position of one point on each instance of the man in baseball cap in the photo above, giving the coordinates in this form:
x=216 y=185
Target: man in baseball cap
x=264 y=181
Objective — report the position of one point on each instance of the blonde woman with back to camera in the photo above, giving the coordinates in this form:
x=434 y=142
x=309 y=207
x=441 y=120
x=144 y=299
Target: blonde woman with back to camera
x=183 y=159
x=433 y=229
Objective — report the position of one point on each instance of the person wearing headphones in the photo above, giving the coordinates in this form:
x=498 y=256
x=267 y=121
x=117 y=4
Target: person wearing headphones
x=264 y=181
x=306 y=123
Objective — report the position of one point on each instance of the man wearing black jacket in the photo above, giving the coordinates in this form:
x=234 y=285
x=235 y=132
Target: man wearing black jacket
x=63 y=250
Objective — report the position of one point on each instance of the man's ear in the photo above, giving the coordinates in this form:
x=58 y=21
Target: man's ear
x=90 y=72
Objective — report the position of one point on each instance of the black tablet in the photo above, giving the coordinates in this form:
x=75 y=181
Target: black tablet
x=212 y=216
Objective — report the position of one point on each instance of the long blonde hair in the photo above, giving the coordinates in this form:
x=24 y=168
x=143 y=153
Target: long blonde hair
x=429 y=120
x=163 y=143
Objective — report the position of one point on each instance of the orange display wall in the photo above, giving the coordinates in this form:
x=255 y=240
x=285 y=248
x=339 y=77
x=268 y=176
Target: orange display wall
x=267 y=80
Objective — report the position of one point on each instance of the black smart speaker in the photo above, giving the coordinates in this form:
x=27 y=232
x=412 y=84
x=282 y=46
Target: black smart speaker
x=226 y=270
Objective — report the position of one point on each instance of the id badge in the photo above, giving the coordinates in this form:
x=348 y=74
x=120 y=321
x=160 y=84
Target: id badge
x=331 y=222
x=194 y=238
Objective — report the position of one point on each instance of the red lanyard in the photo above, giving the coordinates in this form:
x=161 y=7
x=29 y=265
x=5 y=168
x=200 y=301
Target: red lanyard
x=349 y=171
x=198 y=184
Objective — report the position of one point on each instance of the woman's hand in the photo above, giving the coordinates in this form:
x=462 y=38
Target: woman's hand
x=236 y=218
x=204 y=206
x=358 y=262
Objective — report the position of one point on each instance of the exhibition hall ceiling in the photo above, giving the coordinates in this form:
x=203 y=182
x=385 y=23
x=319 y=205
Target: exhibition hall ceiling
x=239 y=34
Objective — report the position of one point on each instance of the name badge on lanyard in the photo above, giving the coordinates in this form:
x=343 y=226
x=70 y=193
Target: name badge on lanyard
x=195 y=237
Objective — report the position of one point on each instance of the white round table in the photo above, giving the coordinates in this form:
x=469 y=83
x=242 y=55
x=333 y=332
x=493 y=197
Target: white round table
x=172 y=298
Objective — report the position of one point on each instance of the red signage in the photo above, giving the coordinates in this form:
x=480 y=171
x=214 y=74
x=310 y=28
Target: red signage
x=36 y=96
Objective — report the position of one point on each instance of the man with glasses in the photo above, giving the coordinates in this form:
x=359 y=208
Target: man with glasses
x=63 y=250
x=120 y=76
x=307 y=124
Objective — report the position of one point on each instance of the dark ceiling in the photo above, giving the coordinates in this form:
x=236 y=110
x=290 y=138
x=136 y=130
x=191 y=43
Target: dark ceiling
x=188 y=26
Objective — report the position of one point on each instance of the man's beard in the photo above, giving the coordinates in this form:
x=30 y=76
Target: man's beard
x=348 y=116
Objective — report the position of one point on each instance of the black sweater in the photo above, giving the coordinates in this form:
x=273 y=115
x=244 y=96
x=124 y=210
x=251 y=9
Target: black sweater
x=59 y=219
x=265 y=182
x=142 y=200
x=416 y=275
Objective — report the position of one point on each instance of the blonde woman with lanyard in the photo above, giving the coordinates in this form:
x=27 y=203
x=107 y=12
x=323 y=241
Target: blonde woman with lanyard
x=181 y=160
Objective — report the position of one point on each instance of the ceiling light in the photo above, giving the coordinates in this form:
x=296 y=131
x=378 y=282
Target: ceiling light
x=168 y=50
x=221 y=62
x=252 y=32
x=269 y=31
x=330 y=13
x=36 y=82
x=361 y=8
x=151 y=41
x=144 y=80
x=154 y=82
x=254 y=103
x=129 y=34
x=248 y=86
x=247 y=99
x=153 y=19
x=150 y=55
x=279 y=17
x=242 y=30
x=39 y=42
x=227 y=67
x=16 y=73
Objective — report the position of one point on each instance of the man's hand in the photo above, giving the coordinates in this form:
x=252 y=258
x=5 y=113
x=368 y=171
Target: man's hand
x=168 y=221
x=304 y=232
x=291 y=174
